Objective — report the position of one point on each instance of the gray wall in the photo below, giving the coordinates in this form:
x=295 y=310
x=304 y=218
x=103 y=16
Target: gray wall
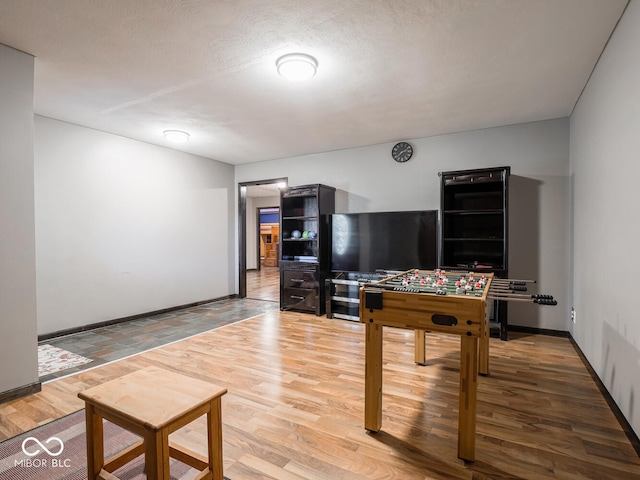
x=18 y=342
x=605 y=169
x=125 y=227
x=368 y=179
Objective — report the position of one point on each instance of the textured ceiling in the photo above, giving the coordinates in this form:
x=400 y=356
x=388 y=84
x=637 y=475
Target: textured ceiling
x=388 y=70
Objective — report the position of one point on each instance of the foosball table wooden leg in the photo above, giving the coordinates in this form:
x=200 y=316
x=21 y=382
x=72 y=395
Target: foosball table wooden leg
x=420 y=356
x=373 y=378
x=468 y=398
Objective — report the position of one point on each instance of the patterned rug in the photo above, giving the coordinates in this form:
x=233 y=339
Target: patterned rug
x=53 y=359
x=57 y=451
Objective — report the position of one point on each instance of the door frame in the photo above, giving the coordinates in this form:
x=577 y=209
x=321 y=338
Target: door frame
x=242 y=229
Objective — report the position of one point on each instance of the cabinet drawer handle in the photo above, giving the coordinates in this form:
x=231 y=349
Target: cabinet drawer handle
x=297 y=280
x=297 y=297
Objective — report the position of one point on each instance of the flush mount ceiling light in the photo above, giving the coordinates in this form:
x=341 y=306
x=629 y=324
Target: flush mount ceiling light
x=176 y=136
x=297 y=66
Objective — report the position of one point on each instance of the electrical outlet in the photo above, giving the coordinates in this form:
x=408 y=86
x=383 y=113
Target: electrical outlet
x=573 y=315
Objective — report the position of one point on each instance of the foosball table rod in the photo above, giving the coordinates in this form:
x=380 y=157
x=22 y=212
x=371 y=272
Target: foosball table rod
x=493 y=292
x=509 y=288
x=515 y=281
x=538 y=299
x=511 y=284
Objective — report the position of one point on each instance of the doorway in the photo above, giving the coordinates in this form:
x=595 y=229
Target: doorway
x=251 y=195
x=268 y=237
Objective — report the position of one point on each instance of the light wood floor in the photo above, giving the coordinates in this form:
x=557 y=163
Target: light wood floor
x=264 y=284
x=295 y=405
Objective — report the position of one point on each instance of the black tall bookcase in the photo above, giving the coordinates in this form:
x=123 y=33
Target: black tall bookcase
x=305 y=246
x=474 y=227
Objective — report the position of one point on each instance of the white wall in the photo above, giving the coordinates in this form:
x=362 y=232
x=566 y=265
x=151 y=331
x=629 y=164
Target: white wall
x=605 y=168
x=124 y=227
x=368 y=179
x=18 y=339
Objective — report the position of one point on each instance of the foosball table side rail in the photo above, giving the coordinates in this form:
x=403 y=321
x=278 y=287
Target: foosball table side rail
x=454 y=315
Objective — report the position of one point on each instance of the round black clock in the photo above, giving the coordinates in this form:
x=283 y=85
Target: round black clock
x=401 y=152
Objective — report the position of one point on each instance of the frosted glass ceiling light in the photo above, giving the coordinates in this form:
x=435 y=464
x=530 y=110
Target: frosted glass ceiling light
x=176 y=136
x=297 y=66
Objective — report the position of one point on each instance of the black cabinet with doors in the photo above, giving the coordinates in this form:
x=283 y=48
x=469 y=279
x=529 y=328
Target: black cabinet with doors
x=305 y=246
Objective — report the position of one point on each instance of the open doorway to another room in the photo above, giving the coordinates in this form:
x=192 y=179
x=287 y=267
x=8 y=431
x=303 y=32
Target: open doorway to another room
x=268 y=237
x=259 y=239
x=263 y=282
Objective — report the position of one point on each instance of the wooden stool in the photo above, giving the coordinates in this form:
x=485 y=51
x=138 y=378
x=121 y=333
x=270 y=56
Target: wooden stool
x=153 y=403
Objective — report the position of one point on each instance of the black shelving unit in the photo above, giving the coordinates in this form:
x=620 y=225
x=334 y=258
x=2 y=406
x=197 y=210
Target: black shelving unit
x=474 y=227
x=304 y=246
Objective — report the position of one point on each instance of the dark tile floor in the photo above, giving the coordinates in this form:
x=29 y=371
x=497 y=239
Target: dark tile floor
x=114 y=342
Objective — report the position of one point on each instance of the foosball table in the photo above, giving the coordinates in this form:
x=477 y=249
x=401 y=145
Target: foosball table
x=457 y=303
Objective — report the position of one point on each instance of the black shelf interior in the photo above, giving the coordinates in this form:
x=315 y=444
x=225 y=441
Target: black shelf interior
x=474 y=219
x=299 y=206
x=300 y=250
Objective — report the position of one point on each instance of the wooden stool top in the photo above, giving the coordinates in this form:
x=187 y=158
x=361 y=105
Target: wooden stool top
x=152 y=397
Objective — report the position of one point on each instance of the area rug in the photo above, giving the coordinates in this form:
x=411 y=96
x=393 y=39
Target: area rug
x=57 y=451
x=53 y=359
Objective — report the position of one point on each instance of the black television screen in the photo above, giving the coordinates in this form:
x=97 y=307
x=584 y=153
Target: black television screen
x=367 y=242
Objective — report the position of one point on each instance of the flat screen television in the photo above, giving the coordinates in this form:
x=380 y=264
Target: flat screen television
x=396 y=241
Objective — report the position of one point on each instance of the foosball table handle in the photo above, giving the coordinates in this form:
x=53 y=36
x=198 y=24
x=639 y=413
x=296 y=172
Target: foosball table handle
x=545 y=301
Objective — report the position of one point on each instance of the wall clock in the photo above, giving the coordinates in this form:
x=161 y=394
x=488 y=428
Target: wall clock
x=401 y=152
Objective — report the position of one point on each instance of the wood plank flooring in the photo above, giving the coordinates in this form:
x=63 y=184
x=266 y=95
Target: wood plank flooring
x=264 y=284
x=296 y=396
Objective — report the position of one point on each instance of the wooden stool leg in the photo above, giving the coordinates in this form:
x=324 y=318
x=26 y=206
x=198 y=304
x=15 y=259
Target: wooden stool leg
x=156 y=456
x=95 y=442
x=214 y=432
